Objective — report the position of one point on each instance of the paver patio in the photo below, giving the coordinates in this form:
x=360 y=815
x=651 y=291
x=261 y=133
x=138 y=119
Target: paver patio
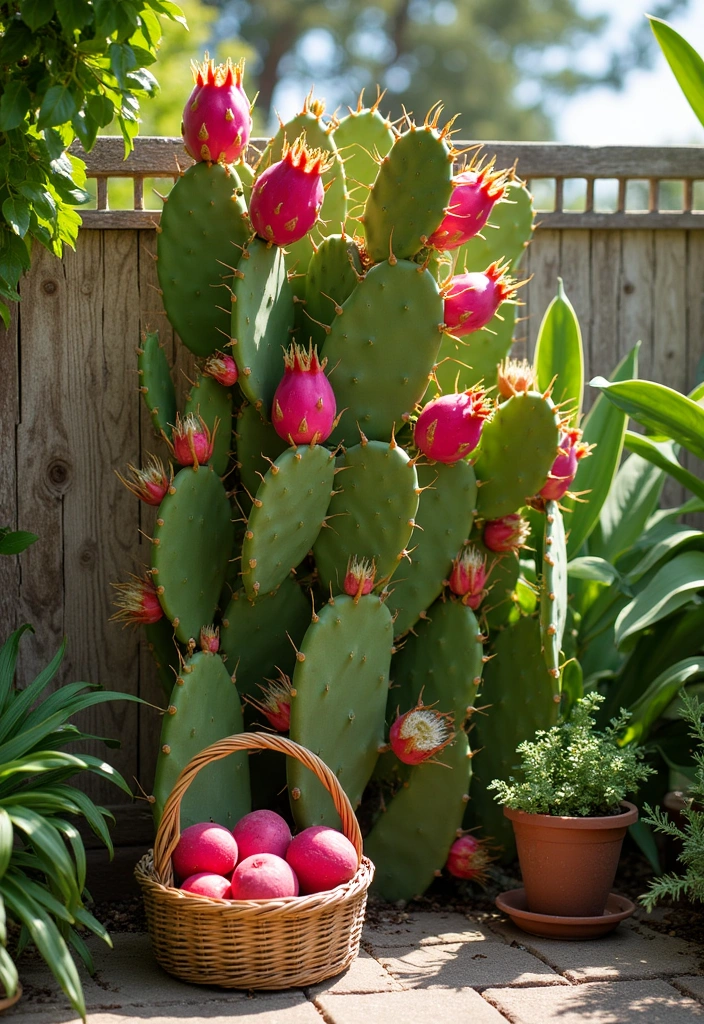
x=430 y=968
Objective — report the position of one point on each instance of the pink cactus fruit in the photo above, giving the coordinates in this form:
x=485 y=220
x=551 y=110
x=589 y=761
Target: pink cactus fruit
x=217 y=120
x=192 y=440
x=469 y=858
x=469 y=575
x=275 y=704
x=359 y=578
x=287 y=196
x=210 y=639
x=205 y=883
x=262 y=832
x=449 y=427
x=472 y=299
x=263 y=876
x=515 y=376
x=322 y=858
x=564 y=468
x=150 y=483
x=204 y=847
x=509 y=533
x=304 y=405
x=137 y=602
x=420 y=733
x=222 y=367
x=475 y=193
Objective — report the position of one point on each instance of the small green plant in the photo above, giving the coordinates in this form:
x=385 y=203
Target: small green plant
x=691 y=883
x=573 y=769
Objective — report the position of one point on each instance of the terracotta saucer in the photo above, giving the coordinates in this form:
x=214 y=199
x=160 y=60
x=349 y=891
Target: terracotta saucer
x=5 y=1004
x=549 y=926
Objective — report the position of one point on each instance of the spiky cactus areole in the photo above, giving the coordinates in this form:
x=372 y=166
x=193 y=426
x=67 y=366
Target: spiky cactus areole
x=338 y=529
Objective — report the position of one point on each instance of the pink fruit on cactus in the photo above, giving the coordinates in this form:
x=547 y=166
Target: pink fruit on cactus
x=222 y=367
x=287 y=196
x=469 y=858
x=262 y=832
x=207 y=884
x=450 y=426
x=149 y=483
x=191 y=440
x=359 y=578
x=276 y=702
x=322 y=858
x=420 y=734
x=304 y=405
x=263 y=877
x=564 y=468
x=471 y=300
x=204 y=847
x=475 y=193
x=210 y=639
x=469 y=575
x=515 y=376
x=137 y=602
x=506 y=534
x=217 y=120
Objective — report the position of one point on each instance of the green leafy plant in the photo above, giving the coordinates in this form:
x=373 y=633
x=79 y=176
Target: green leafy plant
x=691 y=883
x=68 y=68
x=573 y=769
x=13 y=542
x=687 y=65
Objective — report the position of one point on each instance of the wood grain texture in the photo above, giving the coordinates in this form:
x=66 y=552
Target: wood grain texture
x=543 y=266
x=9 y=418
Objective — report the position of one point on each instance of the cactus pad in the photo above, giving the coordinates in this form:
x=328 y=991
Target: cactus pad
x=203 y=222
x=212 y=401
x=341 y=683
x=164 y=649
x=205 y=707
x=257 y=443
x=470 y=360
x=332 y=277
x=190 y=550
x=156 y=384
x=505 y=570
x=288 y=514
x=553 y=591
x=361 y=136
x=374 y=512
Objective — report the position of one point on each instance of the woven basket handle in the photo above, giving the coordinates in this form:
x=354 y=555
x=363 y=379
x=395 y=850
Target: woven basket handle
x=169 y=830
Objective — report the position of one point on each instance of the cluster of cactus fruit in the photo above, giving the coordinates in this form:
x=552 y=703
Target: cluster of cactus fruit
x=360 y=471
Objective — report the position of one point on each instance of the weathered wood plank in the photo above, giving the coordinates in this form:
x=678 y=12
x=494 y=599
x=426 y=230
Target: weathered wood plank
x=604 y=342
x=543 y=268
x=575 y=271
x=9 y=418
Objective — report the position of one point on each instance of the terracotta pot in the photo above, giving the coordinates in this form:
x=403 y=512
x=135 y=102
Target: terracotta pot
x=569 y=864
x=10 y=1001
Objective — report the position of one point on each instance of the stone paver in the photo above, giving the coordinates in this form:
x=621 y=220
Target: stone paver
x=623 y=1002
x=365 y=974
x=284 y=1008
x=691 y=986
x=424 y=928
x=466 y=965
x=628 y=952
x=420 y=1007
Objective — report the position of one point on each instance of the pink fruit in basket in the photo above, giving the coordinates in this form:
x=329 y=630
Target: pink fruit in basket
x=204 y=847
x=207 y=884
x=262 y=832
x=263 y=877
x=322 y=858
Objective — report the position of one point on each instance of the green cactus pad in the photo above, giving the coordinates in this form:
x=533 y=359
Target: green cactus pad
x=409 y=197
x=156 y=384
x=360 y=136
x=262 y=318
x=190 y=550
x=164 y=649
x=410 y=841
x=374 y=512
x=474 y=358
x=507 y=239
x=332 y=277
x=518 y=446
x=288 y=514
x=444 y=519
x=213 y=402
x=259 y=636
x=382 y=348
x=257 y=443
x=203 y=222
x=553 y=592
x=205 y=707
x=518 y=690
x=341 y=683
x=498 y=604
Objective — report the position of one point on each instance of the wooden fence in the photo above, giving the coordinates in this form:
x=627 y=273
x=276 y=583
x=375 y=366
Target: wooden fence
x=70 y=412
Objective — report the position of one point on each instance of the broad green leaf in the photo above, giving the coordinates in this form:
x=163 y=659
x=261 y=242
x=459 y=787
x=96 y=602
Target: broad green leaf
x=632 y=498
x=95 y=816
x=661 y=692
x=15 y=210
x=14 y=104
x=6 y=840
x=665 y=413
x=49 y=847
x=16 y=541
x=697 y=393
x=122 y=61
x=58 y=107
x=604 y=427
x=642 y=836
x=36 y=13
x=43 y=897
x=589 y=567
x=558 y=353
x=69 y=830
x=41 y=761
x=687 y=66
x=662 y=454
x=659 y=549
x=673 y=586
x=8 y=660
x=85 y=918
x=73 y=14
x=29 y=738
x=101 y=108
x=170 y=9
x=8 y=972
x=86 y=128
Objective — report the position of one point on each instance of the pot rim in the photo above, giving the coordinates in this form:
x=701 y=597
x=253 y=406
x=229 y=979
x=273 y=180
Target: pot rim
x=628 y=816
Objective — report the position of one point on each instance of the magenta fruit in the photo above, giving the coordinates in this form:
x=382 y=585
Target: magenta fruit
x=210 y=639
x=472 y=300
x=564 y=468
x=217 y=121
x=469 y=575
x=204 y=847
x=359 y=578
x=150 y=483
x=322 y=858
x=222 y=367
x=506 y=534
x=449 y=427
x=475 y=193
x=207 y=884
x=137 y=602
x=263 y=876
x=192 y=441
x=275 y=704
x=287 y=196
x=469 y=858
x=420 y=733
x=262 y=832
x=304 y=405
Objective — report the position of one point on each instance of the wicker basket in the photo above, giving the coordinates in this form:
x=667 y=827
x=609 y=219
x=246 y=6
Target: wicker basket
x=252 y=944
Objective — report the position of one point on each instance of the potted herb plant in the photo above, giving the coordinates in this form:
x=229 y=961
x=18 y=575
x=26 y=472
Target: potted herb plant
x=568 y=811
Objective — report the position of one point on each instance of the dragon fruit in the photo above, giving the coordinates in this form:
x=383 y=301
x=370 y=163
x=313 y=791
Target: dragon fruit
x=287 y=196
x=515 y=376
x=472 y=300
x=449 y=427
x=222 y=367
x=506 y=534
x=564 y=468
x=304 y=403
x=217 y=120
x=359 y=578
x=475 y=193
x=469 y=858
x=275 y=704
x=149 y=483
x=137 y=602
x=192 y=441
x=210 y=639
x=469 y=575
x=420 y=733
